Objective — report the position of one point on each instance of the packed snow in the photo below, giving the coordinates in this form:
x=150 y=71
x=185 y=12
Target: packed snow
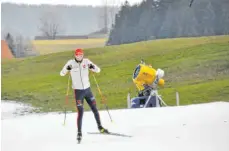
x=202 y=127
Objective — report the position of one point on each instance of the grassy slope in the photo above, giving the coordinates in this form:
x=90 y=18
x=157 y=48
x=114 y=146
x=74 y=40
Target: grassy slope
x=196 y=67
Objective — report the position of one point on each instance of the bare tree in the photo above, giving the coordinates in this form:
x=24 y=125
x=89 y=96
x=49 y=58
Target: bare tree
x=23 y=47
x=113 y=8
x=29 y=48
x=50 y=25
x=19 y=43
x=107 y=15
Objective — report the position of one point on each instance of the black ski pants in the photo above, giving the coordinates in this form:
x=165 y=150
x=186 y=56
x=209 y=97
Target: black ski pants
x=86 y=94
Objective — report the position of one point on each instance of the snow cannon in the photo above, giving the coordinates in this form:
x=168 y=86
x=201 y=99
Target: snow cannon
x=145 y=75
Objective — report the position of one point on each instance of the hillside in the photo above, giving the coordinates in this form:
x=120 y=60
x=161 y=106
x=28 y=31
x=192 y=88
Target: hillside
x=196 y=67
x=170 y=19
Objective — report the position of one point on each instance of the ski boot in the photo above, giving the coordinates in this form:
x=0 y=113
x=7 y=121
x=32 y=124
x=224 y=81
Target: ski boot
x=79 y=137
x=103 y=130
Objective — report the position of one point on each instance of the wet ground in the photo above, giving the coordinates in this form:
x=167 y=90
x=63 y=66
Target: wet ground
x=11 y=109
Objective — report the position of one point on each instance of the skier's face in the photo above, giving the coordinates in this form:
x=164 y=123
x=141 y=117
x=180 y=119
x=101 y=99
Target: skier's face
x=79 y=57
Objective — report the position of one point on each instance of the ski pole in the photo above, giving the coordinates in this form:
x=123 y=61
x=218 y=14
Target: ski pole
x=66 y=100
x=103 y=100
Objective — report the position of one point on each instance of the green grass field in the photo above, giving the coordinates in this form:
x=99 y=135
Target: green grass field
x=54 y=46
x=198 y=68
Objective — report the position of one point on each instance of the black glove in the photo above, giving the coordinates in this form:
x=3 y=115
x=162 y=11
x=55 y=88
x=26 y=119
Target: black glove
x=69 y=67
x=91 y=66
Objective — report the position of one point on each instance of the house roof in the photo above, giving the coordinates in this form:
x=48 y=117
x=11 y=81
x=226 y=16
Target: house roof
x=5 y=51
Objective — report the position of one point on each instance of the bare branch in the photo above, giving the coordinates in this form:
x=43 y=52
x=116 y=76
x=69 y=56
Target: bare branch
x=49 y=25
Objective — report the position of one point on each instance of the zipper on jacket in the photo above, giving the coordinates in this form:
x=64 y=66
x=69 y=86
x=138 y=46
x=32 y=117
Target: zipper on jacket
x=81 y=76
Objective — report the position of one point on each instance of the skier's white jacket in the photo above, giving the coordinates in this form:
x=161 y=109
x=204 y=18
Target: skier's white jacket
x=79 y=73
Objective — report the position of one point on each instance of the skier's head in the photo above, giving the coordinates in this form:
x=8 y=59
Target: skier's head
x=79 y=54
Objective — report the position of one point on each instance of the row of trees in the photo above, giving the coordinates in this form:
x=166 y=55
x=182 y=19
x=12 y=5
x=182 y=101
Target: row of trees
x=51 y=24
x=52 y=20
x=20 y=46
x=169 y=19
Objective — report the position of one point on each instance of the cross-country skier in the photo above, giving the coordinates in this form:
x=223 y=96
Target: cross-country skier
x=146 y=79
x=79 y=70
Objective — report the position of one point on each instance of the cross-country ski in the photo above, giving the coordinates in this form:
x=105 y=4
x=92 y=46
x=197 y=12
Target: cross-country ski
x=110 y=133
